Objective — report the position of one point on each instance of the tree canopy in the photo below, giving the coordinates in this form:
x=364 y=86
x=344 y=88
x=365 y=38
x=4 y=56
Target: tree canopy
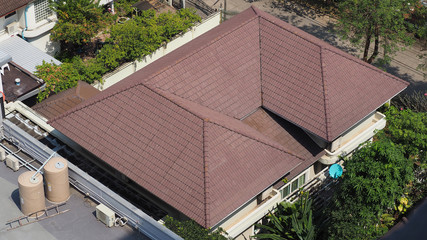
x=78 y=21
x=190 y=230
x=378 y=21
x=376 y=177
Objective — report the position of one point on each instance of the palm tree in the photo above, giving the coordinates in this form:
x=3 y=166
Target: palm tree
x=289 y=221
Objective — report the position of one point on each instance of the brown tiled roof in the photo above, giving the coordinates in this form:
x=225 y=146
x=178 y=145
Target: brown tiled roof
x=7 y=6
x=315 y=85
x=59 y=103
x=174 y=127
x=179 y=150
x=284 y=133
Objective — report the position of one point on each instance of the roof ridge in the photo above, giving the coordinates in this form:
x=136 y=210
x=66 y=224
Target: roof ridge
x=162 y=92
x=360 y=62
x=155 y=74
x=56 y=101
x=191 y=53
x=179 y=104
x=325 y=95
x=267 y=18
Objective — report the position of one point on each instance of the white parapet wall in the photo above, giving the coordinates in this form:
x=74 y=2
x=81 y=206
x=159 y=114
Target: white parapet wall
x=128 y=68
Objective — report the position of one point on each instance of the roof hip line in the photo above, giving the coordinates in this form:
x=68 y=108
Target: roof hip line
x=204 y=173
x=260 y=60
x=325 y=100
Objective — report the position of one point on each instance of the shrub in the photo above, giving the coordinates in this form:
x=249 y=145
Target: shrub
x=408 y=129
x=57 y=78
x=128 y=42
x=376 y=177
x=416 y=101
x=289 y=221
x=110 y=56
x=190 y=230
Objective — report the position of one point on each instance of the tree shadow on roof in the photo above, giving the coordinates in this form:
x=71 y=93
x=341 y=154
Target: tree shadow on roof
x=415 y=84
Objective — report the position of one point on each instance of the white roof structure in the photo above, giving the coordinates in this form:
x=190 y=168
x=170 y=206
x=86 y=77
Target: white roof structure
x=24 y=54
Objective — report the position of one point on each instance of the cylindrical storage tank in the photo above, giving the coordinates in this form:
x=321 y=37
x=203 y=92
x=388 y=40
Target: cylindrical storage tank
x=31 y=194
x=56 y=176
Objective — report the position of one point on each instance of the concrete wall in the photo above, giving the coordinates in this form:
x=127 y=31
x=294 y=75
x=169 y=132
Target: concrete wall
x=127 y=69
x=44 y=43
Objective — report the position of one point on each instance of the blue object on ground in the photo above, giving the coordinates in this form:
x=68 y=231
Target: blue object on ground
x=335 y=171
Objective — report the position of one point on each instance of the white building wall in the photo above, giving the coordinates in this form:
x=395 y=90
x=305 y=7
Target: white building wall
x=44 y=43
x=31 y=17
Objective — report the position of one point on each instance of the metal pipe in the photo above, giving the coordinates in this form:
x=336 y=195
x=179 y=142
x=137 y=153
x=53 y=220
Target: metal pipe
x=26 y=22
x=45 y=162
x=25 y=163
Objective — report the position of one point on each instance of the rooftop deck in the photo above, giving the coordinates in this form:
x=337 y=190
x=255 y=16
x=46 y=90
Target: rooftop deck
x=78 y=223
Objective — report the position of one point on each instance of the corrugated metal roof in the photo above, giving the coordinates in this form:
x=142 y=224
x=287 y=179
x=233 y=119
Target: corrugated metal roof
x=4 y=58
x=25 y=54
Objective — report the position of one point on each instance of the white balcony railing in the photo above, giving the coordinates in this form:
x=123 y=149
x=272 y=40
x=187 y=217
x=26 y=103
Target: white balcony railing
x=350 y=141
x=255 y=215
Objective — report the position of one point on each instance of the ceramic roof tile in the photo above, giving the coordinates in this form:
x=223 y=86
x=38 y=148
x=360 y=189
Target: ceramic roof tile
x=60 y=103
x=228 y=67
x=8 y=6
x=174 y=125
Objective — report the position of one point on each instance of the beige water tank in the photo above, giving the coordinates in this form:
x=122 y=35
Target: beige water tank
x=56 y=176
x=31 y=194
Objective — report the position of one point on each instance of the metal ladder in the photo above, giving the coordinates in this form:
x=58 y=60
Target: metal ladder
x=26 y=219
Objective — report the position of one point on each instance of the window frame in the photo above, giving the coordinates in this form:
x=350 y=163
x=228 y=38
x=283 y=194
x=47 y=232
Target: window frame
x=294 y=185
x=42 y=10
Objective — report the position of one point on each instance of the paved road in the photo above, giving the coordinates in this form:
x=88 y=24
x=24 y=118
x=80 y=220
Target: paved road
x=404 y=64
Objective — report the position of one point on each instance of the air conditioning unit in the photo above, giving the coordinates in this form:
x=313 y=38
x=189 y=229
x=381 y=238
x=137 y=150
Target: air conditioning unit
x=105 y=215
x=12 y=162
x=12 y=28
x=2 y=154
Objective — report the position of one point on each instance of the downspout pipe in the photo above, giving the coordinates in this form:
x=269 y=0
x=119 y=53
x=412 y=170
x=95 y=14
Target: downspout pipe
x=26 y=22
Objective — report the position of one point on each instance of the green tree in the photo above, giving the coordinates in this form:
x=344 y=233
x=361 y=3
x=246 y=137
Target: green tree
x=57 y=78
x=78 y=21
x=190 y=230
x=289 y=221
x=376 y=177
x=408 y=129
x=380 y=21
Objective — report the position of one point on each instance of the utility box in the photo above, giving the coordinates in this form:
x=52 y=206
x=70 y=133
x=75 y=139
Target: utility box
x=2 y=154
x=12 y=162
x=105 y=215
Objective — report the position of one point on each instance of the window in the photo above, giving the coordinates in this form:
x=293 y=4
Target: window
x=285 y=191
x=42 y=10
x=293 y=186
